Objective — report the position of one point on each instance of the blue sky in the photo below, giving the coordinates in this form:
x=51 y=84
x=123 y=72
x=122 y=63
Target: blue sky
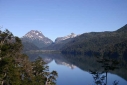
x=57 y=18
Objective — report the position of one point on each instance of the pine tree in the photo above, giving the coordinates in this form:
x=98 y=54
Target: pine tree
x=15 y=67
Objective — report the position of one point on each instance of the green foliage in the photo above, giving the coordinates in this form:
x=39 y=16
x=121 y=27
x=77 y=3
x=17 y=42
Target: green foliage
x=97 y=42
x=42 y=74
x=15 y=67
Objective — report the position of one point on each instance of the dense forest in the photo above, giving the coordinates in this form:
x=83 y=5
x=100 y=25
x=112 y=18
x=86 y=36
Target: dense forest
x=27 y=46
x=57 y=46
x=96 y=43
x=15 y=67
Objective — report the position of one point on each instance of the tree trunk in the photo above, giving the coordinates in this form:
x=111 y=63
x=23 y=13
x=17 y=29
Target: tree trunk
x=2 y=82
x=46 y=82
x=106 y=77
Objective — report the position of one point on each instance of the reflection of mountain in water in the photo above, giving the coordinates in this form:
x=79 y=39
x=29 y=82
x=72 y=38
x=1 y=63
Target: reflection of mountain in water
x=65 y=64
x=90 y=62
x=83 y=62
x=48 y=60
x=58 y=58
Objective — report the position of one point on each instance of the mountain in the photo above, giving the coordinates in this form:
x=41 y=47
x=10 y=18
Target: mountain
x=59 y=39
x=37 y=38
x=122 y=29
x=95 y=42
x=27 y=46
x=60 y=42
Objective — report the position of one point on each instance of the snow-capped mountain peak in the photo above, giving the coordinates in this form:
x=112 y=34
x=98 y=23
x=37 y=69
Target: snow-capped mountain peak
x=72 y=35
x=34 y=34
x=37 y=38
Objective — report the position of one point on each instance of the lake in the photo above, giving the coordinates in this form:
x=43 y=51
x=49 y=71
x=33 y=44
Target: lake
x=76 y=70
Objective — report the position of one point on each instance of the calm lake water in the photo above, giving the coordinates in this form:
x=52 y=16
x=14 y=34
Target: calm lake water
x=73 y=71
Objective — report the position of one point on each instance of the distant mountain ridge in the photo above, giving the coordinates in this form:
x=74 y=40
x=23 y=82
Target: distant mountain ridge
x=37 y=38
x=122 y=29
x=86 y=43
x=97 y=42
x=59 y=39
x=60 y=42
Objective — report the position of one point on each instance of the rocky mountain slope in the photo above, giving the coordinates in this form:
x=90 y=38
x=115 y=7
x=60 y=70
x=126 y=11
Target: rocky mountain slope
x=60 y=42
x=59 y=39
x=37 y=38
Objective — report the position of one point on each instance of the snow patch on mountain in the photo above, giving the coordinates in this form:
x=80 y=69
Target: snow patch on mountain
x=72 y=35
x=34 y=34
x=37 y=38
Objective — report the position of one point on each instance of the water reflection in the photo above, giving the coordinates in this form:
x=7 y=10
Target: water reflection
x=107 y=64
x=48 y=58
x=80 y=68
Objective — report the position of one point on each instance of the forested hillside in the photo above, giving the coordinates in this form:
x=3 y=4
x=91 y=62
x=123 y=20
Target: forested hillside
x=15 y=67
x=117 y=50
x=97 y=42
x=27 y=46
x=57 y=46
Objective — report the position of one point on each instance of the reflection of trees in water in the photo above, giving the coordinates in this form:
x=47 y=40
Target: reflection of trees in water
x=107 y=64
x=90 y=62
x=100 y=78
x=83 y=62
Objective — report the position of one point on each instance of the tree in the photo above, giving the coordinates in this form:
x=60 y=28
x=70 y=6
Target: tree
x=8 y=68
x=42 y=74
x=107 y=64
x=15 y=67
